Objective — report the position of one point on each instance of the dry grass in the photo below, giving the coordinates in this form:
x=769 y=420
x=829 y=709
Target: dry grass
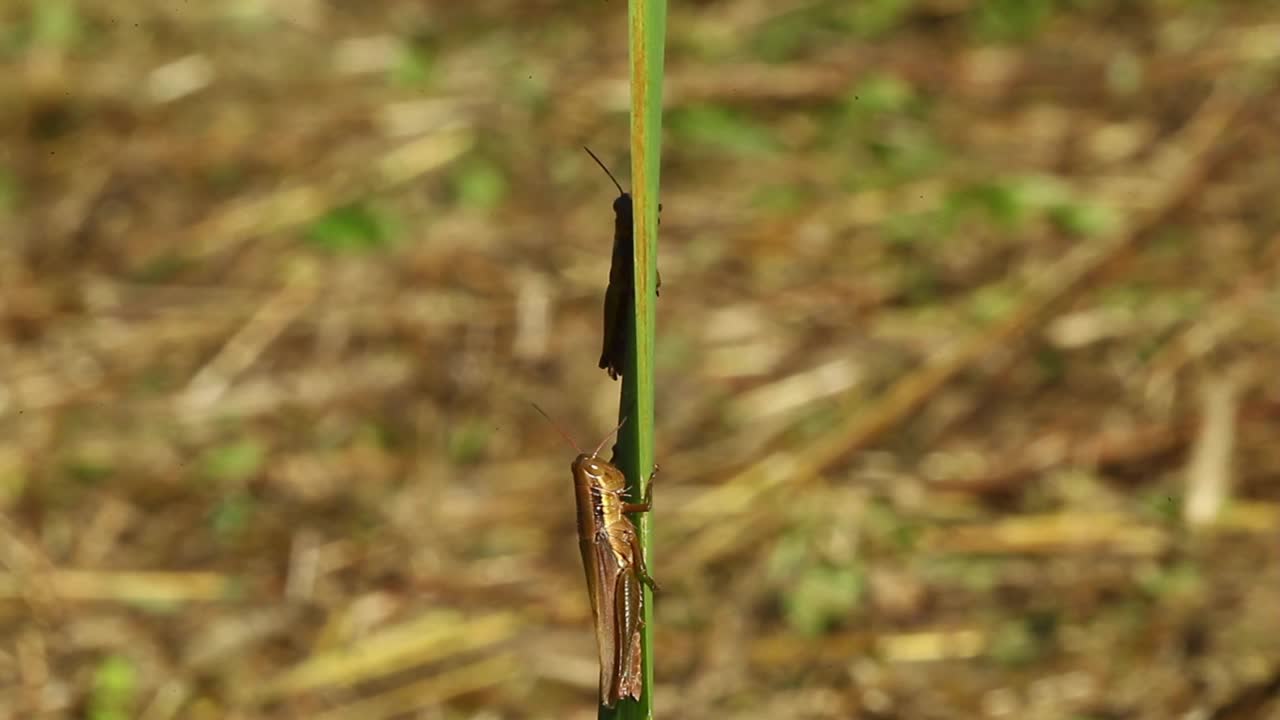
x=948 y=331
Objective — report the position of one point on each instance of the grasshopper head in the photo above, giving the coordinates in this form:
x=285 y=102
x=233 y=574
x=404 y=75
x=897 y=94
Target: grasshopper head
x=598 y=473
x=622 y=205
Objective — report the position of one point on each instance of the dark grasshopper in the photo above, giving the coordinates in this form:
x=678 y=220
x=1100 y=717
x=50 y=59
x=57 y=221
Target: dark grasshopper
x=619 y=297
x=614 y=562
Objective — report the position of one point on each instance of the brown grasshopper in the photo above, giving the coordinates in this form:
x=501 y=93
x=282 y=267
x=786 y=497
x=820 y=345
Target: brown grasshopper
x=619 y=297
x=614 y=562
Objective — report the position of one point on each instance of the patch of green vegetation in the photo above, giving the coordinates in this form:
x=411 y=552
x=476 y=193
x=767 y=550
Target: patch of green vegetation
x=234 y=462
x=52 y=24
x=1127 y=617
x=225 y=177
x=1180 y=579
x=881 y=126
x=56 y=24
x=468 y=440
x=1161 y=506
x=1006 y=204
x=160 y=268
x=532 y=90
x=873 y=18
x=888 y=527
x=881 y=94
x=722 y=128
x=89 y=468
x=156 y=379
x=1125 y=73
x=414 y=65
x=379 y=435
x=232 y=515
x=677 y=351
x=919 y=283
x=1132 y=295
x=793 y=34
x=993 y=302
x=904 y=152
x=821 y=597
x=1052 y=364
x=115 y=686
x=251 y=16
x=817 y=420
x=779 y=199
x=1025 y=640
x=816 y=594
x=973 y=573
x=997 y=200
x=11 y=42
x=1083 y=219
x=1009 y=202
x=1010 y=20
x=790 y=35
x=355 y=227
x=1171 y=241
x=885 y=118
x=1188 y=302
x=480 y=184
x=910 y=229
x=1149 y=348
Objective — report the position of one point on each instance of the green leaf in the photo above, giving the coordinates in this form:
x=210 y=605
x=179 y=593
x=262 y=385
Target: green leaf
x=468 y=441
x=115 y=683
x=993 y=302
x=882 y=94
x=823 y=596
x=871 y=18
x=1083 y=219
x=723 y=129
x=481 y=185
x=354 y=227
x=55 y=23
x=235 y=462
x=647 y=38
x=414 y=66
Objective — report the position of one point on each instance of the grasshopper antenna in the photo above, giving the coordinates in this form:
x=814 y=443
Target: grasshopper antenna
x=558 y=429
x=606 y=437
x=605 y=169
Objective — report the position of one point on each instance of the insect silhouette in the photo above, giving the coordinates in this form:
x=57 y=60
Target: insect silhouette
x=619 y=296
x=615 y=566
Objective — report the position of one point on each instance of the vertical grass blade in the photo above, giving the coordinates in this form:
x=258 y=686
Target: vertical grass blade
x=647 y=39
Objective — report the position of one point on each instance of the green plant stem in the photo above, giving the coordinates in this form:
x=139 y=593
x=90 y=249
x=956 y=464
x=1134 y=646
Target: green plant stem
x=648 y=23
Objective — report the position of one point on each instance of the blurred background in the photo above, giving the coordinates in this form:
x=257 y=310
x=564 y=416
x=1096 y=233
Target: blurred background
x=966 y=360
